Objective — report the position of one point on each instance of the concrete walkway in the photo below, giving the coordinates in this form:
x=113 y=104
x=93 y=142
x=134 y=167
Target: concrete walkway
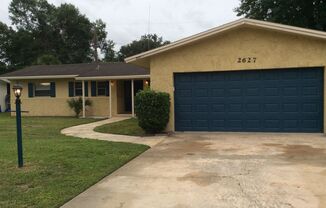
x=87 y=131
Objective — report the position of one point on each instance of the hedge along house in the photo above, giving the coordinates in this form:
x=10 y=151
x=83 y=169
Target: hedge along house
x=248 y=75
x=110 y=86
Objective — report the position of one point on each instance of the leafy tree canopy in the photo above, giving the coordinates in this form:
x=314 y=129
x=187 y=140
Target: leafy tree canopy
x=44 y=33
x=302 y=13
x=73 y=35
x=31 y=14
x=109 y=53
x=47 y=59
x=146 y=43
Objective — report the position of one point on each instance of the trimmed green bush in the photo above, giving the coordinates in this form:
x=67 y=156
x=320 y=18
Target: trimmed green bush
x=152 y=109
x=77 y=105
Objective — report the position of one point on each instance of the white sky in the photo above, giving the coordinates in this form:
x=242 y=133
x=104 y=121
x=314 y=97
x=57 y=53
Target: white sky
x=127 y=20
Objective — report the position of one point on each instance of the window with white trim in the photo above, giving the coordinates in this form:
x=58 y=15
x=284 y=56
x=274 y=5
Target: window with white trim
x=42 y=89
x=78 y=89
x=101 y=88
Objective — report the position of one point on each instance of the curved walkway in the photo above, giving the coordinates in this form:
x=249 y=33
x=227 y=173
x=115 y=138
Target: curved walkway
x=87 y=131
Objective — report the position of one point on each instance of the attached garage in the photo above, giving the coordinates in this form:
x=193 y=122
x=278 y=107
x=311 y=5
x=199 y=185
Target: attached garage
x=245 y=76
x=282 y=100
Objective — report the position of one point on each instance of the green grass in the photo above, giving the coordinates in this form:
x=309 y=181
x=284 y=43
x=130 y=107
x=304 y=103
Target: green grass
x=57 y=167
x=126 y=127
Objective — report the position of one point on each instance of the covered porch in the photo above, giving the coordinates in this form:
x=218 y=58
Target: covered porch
x=120 y=93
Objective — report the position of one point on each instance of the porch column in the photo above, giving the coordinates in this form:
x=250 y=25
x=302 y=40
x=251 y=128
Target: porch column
x=83 y=90
x=132 y=98
x=110 y=89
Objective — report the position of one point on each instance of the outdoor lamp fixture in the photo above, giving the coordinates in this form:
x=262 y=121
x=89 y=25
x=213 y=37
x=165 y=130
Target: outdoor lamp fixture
x=18 y=92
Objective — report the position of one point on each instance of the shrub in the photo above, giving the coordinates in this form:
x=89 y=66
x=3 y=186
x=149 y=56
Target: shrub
x=77 y=105
x=152 y=110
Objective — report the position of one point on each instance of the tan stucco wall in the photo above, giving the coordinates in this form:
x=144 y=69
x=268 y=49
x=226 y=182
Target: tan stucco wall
x=220 y=53
x=57 y=106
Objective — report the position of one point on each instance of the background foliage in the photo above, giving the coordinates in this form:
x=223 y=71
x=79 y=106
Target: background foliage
x=146 y=42
x=42 y=33
x=302 y=13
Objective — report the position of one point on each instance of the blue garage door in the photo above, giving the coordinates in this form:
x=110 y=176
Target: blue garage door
x=282 y=100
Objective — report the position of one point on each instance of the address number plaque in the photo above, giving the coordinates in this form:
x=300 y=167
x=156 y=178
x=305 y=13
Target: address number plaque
x=246 y=60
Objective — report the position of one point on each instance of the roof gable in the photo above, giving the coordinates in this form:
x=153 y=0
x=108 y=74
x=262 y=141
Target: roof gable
x=141 y=59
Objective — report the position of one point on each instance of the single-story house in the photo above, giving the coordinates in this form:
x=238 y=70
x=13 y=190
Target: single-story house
x=47 y=88
x=4 y=91
x=247 y=75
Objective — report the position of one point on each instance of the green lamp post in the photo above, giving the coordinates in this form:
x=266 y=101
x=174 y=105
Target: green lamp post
x=18 y=91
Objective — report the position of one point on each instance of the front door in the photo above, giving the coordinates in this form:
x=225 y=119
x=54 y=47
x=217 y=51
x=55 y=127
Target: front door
x=138 y=86
x=127 y=95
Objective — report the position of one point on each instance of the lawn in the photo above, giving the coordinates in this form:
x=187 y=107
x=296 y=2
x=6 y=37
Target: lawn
x=57 y=167
x=126 y=127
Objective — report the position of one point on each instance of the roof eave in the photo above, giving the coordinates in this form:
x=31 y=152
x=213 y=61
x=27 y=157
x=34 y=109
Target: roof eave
x=114 y=77
x=5 y=80
x=39 y=77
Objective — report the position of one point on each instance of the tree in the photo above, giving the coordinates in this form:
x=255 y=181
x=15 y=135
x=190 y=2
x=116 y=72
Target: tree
x=146 y=43
x=47 y=59
x=16 y=47
x=5 y=40
x=309 y=14
x=73 y=35
x=43 y=33
x=109 y=53
x=30 y=15
x=99 y=37
x=34 y=18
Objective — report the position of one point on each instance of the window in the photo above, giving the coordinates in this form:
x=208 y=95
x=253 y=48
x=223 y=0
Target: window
x=42 y=89
x=78 y=89
x=101 y=88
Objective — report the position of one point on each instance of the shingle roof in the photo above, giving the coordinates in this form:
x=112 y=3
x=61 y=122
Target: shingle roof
x=79 y=70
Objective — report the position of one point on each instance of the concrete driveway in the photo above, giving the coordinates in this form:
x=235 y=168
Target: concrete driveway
x=219 y=170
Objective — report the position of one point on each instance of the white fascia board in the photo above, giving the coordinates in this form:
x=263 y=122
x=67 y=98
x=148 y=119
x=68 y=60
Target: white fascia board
x=114 y=77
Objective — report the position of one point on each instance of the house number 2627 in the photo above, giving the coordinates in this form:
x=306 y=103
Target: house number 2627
x=247 y=60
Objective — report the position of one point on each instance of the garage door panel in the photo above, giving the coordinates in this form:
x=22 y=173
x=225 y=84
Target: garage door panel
x=290 y=107
x=291 y=124
x=218 y=124
x=252 y=108
x=284 y=100
x=252 y=91
x=290 y=91
x=218 y=108
x=218 y=92
x=310 y=108
x=310 y=124
x=253 y=124
x=306 y=75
